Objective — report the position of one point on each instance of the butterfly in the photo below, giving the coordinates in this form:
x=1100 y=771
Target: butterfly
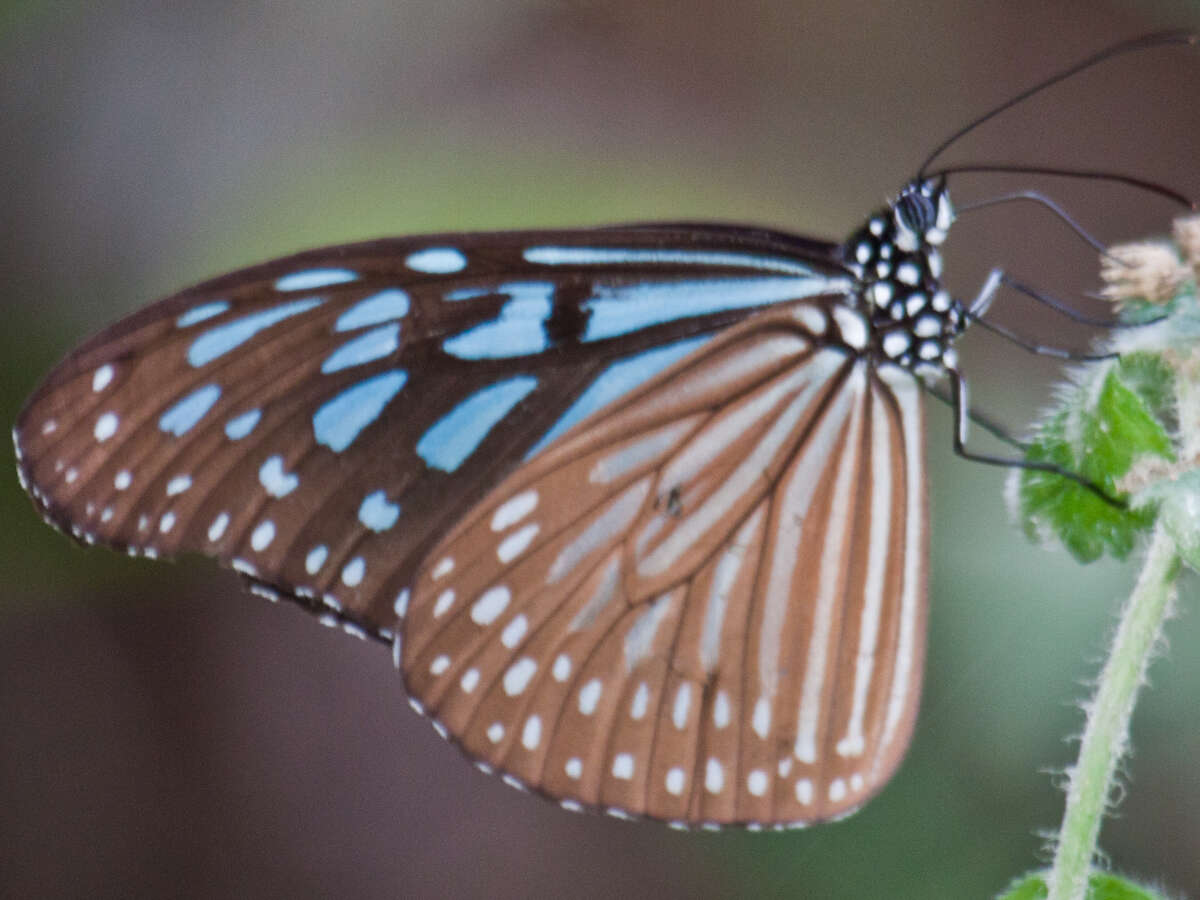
x=640 y=510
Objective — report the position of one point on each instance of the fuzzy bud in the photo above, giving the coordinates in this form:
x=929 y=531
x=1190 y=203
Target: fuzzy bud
x=1143 y=271
x=1187 y=236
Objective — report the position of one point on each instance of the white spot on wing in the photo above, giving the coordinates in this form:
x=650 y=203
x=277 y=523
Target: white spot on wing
x=102 y=377
x=469 y=680
x=315 y=559
x=675 y=781
x=683 y=701
x=589 y=696
x=400 y=604
x=513 y=511
x=262 y=536
x=756 y=782
x=353 y=572
x=641 y=701
x=761 y=721
x=837 y=790
x=804 y=791
x=275 y=480
x=714 y=776
x=511 y=636
x=531 y=734
x=488 y=607
x=444 y=601
x=516 y=543
x=721 y=710
x=622 y=766
x=106 y=426
x=518 y=675
x=178 y=485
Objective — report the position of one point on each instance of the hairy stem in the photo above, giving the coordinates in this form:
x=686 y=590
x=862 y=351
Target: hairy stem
x=1107 y=730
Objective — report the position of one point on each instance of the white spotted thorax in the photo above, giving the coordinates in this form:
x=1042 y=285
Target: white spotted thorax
x=895 y=255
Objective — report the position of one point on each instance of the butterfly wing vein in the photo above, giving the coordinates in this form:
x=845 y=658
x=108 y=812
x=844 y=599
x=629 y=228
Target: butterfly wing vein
x=704 y=606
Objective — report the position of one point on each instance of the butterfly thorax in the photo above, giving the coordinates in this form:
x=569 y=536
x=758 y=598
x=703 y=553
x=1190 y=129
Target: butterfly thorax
x=895 y=257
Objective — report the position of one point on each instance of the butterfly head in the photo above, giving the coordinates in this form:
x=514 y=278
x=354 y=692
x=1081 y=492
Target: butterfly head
x=922 y=215
x=898 y=264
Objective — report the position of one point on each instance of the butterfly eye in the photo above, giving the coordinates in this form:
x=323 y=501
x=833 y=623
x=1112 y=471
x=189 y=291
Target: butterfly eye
x=915 y=212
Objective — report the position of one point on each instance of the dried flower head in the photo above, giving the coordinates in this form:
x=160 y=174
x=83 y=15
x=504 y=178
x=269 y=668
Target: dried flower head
x=1187 y=236
x=1143 y=271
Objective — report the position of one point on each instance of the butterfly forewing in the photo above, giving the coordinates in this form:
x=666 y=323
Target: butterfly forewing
x=705 y=604
x=320 y=421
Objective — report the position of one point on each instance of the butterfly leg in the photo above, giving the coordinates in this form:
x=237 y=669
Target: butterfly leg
x=998 y=278
x=1036 y=348
x=984 y=421
x=961 y=422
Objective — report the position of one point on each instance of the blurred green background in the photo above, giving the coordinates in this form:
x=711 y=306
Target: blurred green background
x=162 y=733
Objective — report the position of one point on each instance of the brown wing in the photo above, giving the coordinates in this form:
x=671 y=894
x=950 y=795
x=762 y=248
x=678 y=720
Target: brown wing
x=318 y=422
x=706 y=606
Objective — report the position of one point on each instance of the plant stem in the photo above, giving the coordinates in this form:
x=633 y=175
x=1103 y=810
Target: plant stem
x=1107 y=729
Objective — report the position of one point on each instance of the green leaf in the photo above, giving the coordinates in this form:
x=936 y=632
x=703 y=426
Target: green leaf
x=1101 y=428
x=1101 y=886
x=1030 y=887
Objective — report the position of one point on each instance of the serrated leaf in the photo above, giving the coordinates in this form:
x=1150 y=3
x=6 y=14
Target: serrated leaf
x=1098 y=434
x=1152 y=380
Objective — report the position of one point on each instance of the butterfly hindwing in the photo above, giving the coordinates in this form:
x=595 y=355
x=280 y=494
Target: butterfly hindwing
x=319 y=421
x=655 y=615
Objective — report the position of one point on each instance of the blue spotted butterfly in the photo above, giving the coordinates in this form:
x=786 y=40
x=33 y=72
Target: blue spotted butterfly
x=641 y=511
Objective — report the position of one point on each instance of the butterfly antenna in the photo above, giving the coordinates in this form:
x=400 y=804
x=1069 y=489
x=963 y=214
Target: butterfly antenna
x=1142 y=184
x=1157 y=39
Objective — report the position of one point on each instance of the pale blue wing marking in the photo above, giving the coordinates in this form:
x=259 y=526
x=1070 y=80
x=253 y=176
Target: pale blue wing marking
x=377 y=513
x=620 y=309
x=240 y=426
x=230 y=336
x=312 y=279
x=204 y=311
x=381 y=307
x=437 y=260
x=183 y=416
x=519 y=330
x=617 y=380
x=365 y=348
x=275 y=479
x=607 y=256
x=339 y=420
x=448 y=443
